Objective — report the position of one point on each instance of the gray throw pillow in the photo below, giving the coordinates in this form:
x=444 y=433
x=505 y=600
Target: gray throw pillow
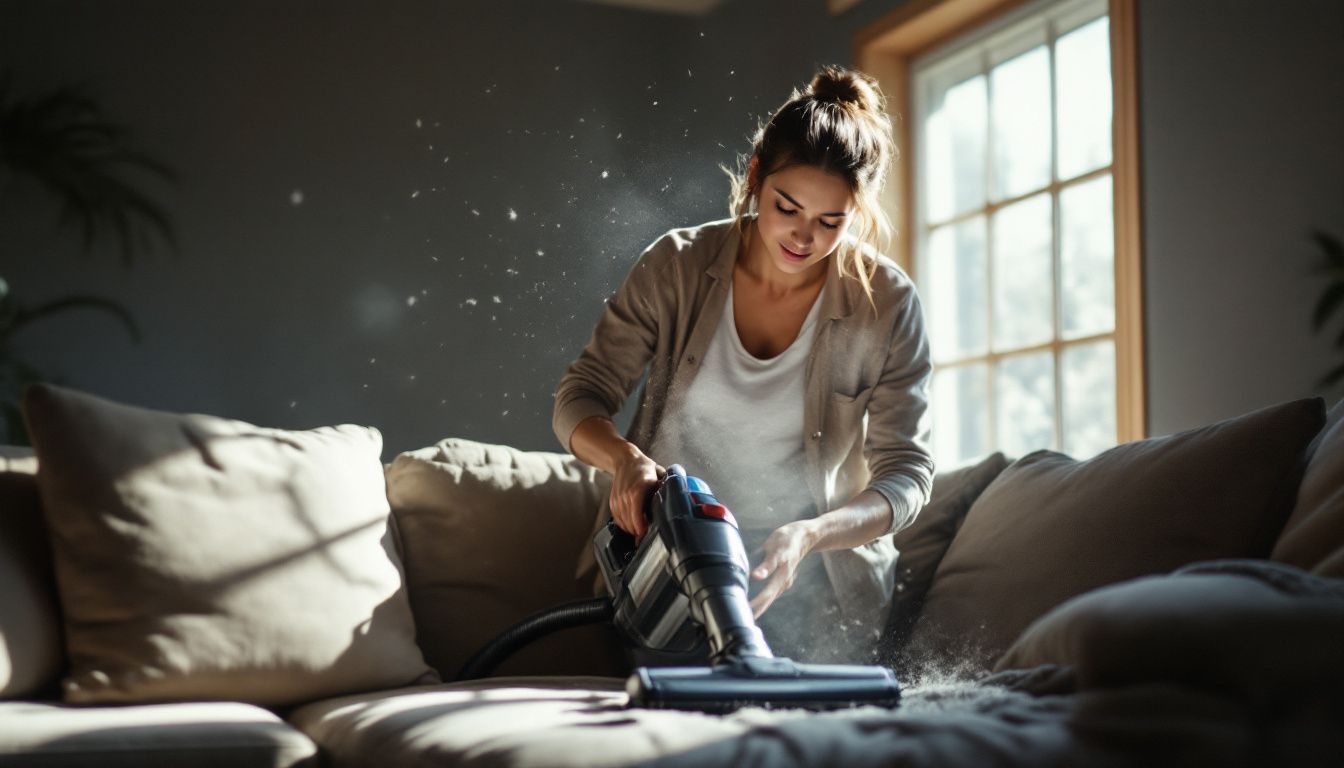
x=1313 y=537
x=922 y=544
x=1051 y=527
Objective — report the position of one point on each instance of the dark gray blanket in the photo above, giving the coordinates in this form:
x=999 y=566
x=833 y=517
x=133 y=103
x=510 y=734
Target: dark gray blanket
x=1228 y=663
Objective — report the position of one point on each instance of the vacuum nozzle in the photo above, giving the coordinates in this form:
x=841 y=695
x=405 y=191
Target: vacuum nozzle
x=773 y=683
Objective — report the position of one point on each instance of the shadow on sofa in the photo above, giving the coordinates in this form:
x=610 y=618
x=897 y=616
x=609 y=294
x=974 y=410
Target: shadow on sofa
x=222 y=736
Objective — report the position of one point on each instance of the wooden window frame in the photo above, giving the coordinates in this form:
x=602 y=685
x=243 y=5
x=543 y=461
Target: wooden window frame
x=885 y=50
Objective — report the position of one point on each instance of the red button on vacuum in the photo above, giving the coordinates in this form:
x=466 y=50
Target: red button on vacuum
x=714 y=510
x=718 y=512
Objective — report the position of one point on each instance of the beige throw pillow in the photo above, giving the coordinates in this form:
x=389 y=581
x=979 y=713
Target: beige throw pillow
x=31 y=655
x=1051 y=527
x=1313 y=537
x=492 y=534
x=204 y=558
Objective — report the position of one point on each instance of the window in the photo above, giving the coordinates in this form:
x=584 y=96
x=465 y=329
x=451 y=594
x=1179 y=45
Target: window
x=1010 y=220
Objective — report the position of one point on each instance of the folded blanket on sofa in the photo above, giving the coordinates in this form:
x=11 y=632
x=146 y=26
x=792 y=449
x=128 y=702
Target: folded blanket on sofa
x=1263 y=631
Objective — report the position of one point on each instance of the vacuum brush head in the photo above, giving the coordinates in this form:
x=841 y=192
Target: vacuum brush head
x=772 y=683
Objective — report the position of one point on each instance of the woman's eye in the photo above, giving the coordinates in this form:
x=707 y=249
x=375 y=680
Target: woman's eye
x=830 y=226
x=783 y=210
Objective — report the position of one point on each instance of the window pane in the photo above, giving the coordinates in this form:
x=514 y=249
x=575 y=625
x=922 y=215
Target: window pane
x=1021 y=123
x=957 y=313
x=1089 y=398
x=1087 y=258
x=1083 y=77
x=1023 y=274
x=1025 y=389
x=960 y=430
x=955 y=159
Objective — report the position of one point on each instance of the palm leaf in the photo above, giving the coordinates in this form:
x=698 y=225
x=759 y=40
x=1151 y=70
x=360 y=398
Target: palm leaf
x=1334 y=294
x=1333 y=376
x=15 y=374
x=24 y=317
x=1331 y=247
x=61 y=140
x=24 y=373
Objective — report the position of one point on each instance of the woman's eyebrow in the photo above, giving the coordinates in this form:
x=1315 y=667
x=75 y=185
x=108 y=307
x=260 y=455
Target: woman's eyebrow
x=788 y=197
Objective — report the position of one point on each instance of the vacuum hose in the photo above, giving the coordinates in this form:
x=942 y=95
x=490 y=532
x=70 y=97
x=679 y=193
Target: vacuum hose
x=572 y=614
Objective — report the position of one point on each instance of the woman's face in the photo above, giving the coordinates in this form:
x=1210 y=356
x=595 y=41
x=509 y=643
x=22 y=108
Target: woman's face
x=803 y=211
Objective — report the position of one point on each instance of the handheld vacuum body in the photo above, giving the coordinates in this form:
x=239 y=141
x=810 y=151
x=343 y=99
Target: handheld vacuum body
x=688 y=579
x=685 y=583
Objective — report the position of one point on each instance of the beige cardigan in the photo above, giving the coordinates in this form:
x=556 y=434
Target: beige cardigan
x=866 y=391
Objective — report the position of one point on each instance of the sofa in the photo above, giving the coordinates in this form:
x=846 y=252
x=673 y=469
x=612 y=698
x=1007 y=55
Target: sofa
x=185 y=589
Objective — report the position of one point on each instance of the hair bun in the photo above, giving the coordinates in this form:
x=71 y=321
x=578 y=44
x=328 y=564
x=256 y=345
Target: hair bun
x=845 y=86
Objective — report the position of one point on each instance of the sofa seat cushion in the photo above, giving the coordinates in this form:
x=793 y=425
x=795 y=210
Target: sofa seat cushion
x=525 y=722
x=203 y=558
x=515 y=721
x=198 y=734
x=1049 y=527
x=559 y=722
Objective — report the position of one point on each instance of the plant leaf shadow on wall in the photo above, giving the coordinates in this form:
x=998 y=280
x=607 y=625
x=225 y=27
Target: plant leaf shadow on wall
x=1332 y=297
x=59 y=144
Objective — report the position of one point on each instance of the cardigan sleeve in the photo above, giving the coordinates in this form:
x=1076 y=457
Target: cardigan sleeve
x=621 y=345
x=897 y=445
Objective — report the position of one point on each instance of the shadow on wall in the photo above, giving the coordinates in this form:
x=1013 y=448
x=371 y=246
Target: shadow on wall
x=1332 y=296
x=60 y=144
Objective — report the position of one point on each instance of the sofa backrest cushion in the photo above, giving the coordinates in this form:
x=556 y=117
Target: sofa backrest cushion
x=30 y=636
x=1051 y=527
x=203 y=558
x=922 y=544
x=1313 y=537
x=490 y=535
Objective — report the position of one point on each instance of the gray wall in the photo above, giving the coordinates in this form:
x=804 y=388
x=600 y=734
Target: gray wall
x=1243 y=155
x=299 y=315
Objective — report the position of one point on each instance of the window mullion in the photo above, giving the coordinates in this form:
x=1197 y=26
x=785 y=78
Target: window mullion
x=991 y=376
x=1056 y=250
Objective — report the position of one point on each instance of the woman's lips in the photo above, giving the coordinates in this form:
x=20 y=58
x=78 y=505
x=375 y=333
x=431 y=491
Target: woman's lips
x=793 y=256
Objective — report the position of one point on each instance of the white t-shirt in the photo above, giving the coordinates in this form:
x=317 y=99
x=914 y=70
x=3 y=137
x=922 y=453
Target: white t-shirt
x=740 y=428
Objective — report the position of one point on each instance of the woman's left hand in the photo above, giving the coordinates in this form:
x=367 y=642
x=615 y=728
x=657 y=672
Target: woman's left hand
x=782 y=552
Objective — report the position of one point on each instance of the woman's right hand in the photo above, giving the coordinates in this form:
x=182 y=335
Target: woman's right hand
x=635 y=475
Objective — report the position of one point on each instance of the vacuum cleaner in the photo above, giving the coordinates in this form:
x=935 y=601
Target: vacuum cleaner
x=683 y=588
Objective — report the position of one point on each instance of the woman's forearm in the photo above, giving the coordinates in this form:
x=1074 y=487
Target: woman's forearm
x=596 y=443
x=866 y=517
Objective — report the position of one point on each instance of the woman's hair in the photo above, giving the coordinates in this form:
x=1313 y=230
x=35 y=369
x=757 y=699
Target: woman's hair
x=838 y=124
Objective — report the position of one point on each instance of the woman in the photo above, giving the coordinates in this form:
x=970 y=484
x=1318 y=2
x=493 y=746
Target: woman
x=787 y=367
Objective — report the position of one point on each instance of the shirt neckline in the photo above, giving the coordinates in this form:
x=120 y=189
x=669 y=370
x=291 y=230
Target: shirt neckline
x=808 y=323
